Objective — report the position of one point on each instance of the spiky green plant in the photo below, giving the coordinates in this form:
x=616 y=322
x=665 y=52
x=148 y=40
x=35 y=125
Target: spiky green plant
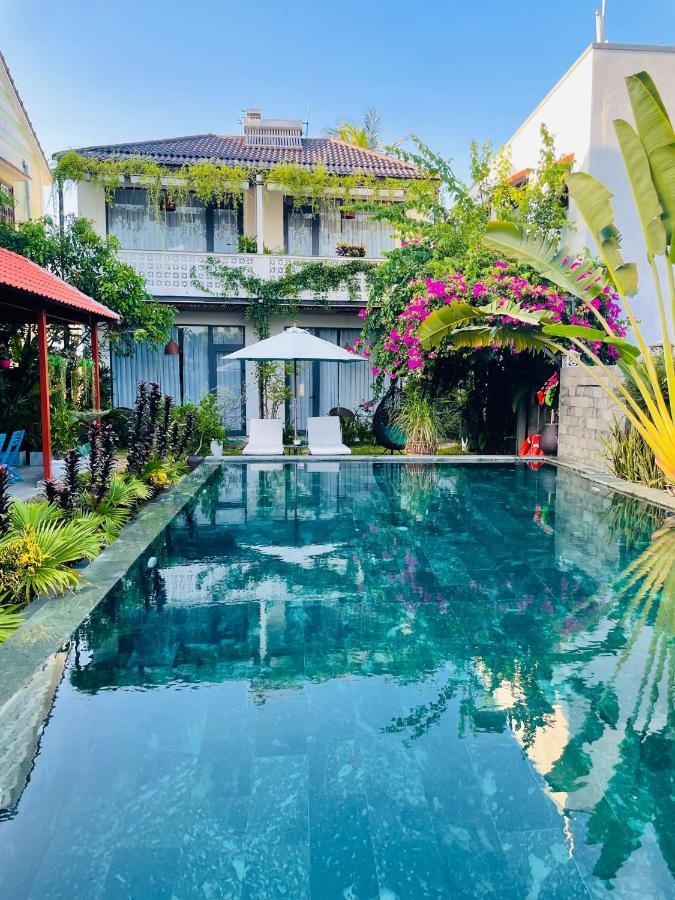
x=419 y=417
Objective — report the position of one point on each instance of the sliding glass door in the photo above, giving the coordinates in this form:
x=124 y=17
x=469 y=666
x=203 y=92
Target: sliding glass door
x=200 y=367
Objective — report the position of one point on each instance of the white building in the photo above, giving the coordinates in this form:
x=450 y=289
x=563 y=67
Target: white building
x=169 y=248
x=580 y=111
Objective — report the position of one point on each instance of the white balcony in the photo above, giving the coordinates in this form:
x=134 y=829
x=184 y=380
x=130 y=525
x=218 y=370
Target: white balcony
x=175 y=273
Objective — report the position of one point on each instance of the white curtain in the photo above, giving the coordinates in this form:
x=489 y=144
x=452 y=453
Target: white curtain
x=138 y=227
x=225 y=231
x=334 y=229
x=299 y=233
x=195 y=362
x=147 y=363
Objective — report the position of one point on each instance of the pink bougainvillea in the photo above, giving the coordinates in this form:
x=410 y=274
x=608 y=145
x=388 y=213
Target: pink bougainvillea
x=398 y=351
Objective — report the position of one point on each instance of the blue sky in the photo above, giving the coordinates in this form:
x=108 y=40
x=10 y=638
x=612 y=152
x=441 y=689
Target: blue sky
x=94 y=72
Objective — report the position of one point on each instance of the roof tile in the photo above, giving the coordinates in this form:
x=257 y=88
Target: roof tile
x=337 y=156
x=24 y=275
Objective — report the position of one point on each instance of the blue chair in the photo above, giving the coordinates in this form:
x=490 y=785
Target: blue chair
x=2 y=440
x=10 y=457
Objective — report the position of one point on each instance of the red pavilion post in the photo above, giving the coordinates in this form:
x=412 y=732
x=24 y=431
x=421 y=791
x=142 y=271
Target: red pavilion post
x=45 y=415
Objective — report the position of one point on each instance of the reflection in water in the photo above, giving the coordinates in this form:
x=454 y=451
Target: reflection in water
x=423 y=680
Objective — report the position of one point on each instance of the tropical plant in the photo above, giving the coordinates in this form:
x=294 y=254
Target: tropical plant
x=419 y=418
x=648 y=153
x=4 y=499
x=366 y=134
x=247 y=244
x=630 y=457
x=342 y=248
x=39 y=548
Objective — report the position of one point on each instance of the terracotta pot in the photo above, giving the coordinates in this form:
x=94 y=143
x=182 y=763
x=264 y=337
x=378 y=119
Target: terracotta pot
x=549 y=439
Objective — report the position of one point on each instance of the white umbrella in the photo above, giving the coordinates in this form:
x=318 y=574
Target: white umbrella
x=292 y=345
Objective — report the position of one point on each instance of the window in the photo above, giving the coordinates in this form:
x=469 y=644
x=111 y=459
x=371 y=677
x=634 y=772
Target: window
x=140 y=227
x=201 y=367
x=6 y=208
x=317 y=234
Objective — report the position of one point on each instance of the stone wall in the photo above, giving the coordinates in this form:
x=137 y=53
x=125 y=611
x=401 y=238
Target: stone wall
x=585 y=417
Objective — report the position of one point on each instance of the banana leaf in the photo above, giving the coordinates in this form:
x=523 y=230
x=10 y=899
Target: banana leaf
x=644 y=193
x=629 y=352
x=593 y=200
x=658 y=138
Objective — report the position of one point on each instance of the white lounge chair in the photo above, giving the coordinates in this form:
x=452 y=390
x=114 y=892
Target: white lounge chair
x=265 y=438
x=324 y=437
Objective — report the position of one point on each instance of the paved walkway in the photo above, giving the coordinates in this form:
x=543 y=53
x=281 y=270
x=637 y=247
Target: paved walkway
x=28 y=486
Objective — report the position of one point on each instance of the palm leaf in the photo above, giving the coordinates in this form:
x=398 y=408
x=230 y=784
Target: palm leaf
x=33 y=513
x=441 y=322
x=593 y=200
x=10 y=619
x=437 y=325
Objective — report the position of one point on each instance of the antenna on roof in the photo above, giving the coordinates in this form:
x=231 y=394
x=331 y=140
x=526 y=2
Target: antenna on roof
x=307 y=123
x=600 y=25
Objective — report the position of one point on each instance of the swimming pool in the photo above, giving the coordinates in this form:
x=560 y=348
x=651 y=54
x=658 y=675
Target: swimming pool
x=360 y=680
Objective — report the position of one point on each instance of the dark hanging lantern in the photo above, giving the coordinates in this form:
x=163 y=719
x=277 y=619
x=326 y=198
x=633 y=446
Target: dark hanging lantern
x=172 y=348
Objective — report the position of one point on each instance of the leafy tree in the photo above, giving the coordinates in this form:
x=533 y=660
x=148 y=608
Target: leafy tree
x=90 y=263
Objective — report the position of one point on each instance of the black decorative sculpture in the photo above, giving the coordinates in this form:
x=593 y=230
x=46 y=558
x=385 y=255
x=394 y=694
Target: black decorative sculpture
x=388 y=435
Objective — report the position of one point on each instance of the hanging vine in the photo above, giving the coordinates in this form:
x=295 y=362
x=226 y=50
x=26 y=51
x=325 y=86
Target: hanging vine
x=214 y=182
x=277 y=296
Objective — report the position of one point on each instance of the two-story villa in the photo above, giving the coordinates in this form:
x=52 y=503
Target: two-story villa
x=169 y=246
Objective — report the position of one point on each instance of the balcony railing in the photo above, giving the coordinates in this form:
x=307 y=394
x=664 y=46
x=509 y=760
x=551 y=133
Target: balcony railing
x=173 y=273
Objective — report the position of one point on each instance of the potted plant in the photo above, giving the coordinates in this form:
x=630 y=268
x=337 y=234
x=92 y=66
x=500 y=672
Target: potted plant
x=345 y=249
x=420 y=420
x=247 y=244
x=209 y=430
x=549 y=433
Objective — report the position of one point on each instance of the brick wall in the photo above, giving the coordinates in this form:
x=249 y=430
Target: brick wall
x=585 y=416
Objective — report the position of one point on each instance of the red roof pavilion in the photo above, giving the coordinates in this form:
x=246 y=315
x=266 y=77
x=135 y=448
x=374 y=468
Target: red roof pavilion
x=31 y=294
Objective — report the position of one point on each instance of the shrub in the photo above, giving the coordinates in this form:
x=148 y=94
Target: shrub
x=630 y=457
x=38 y=550
x=418 y=416
x=208 y=422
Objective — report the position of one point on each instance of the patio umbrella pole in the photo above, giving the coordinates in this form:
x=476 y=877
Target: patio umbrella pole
x=295 y=401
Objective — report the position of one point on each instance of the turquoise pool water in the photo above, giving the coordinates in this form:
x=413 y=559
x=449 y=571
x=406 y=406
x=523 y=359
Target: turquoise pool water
x=363 y=680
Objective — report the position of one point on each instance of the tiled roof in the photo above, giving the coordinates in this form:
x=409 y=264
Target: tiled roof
x=337 y=156
x=24 y=275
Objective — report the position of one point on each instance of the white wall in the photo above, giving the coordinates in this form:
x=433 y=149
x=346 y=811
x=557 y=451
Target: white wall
x=580 y=111
x=91 y=205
